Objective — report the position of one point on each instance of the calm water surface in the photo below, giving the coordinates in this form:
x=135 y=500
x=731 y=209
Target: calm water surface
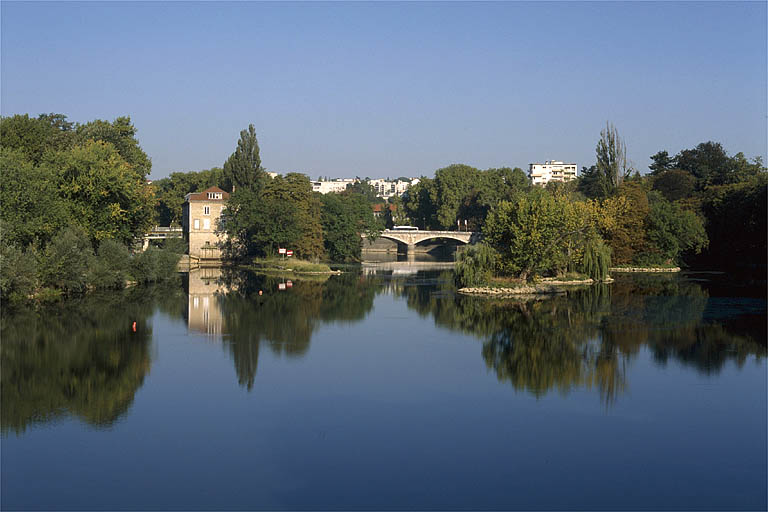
x=383 y=389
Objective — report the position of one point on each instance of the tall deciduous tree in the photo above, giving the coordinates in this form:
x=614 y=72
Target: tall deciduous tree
x=672 y=231
x=623 y=222
x=345 y=217
x=36 y=138
x=612 y=157
x=243 y=168
x=283 y=213
x=419 y=204
x=105 y=193
x=121 y=134
x=452 y=185
x=675 y=184
x=661 y=162
x=31 y=209
x=170 y=192
x=538 y=232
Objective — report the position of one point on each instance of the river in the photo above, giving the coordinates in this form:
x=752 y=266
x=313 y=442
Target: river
x=384 y=389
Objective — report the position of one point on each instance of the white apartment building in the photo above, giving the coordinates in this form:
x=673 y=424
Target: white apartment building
x=384 y=188
x=552 y=170
x=387 y=188
x=338 y=185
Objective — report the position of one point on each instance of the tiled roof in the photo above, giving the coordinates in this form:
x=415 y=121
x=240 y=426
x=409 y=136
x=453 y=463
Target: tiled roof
x=203 y=196
x=378 y=207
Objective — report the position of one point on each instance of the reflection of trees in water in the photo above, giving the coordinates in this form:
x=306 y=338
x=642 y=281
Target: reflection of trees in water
x=555 y=343
x=586 y=337
x=671 y=317
x=285 y=320
x=79 y=358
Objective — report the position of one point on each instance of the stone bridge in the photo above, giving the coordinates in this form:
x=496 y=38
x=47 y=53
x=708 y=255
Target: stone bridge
x=411 y=238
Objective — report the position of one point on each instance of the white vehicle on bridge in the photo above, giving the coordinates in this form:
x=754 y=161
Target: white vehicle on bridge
x=405 y=228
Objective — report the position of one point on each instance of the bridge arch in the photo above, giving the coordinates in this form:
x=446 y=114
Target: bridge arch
x=414 y=238
x=408 y=240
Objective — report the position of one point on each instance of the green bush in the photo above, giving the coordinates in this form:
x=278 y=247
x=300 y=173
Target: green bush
x=65 y=263
x=475 y=265
x=154 y=265
x=110 y=269
x=18 y=271
x=48 y=295
x=175 y=245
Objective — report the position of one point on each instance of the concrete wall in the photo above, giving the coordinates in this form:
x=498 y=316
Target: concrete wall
x=381 y=245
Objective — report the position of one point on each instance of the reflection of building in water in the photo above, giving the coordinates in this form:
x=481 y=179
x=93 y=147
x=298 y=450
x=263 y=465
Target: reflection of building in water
x=203 y=310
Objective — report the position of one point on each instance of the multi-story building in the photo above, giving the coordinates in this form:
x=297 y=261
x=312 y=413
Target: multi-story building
x=338 y=185
x=388 y=188
x=200 y=216
x=384 y=188
x=552 y=170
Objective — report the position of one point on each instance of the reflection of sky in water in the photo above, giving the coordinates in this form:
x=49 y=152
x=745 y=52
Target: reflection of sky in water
x=375 y=391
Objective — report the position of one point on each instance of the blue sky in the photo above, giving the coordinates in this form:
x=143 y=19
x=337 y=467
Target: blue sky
x=392 y=89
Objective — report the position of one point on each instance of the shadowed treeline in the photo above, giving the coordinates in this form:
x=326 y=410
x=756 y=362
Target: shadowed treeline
x=80 y=358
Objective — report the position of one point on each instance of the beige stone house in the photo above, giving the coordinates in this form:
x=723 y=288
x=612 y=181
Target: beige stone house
x=200 y=217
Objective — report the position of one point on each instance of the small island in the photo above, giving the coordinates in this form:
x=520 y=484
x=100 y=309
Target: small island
x=290 y=266
x=545 y=286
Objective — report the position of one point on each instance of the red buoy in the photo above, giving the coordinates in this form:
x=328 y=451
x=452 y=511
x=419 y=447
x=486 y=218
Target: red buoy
x=134 y=326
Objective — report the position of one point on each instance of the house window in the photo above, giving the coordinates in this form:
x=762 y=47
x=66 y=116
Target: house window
x=206 y=223
x=197 y=223
x=206 y=210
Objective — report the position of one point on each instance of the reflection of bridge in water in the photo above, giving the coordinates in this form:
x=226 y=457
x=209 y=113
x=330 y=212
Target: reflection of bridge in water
x=402 y=268
x=413 y=240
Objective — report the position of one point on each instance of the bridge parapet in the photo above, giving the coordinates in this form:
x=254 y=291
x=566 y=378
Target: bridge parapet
x=412 y=238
